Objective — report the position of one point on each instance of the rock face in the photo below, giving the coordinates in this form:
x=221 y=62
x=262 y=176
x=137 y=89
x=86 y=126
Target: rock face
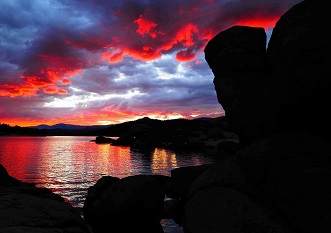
x=25 y=208
x=276 y=100
x=284 y=87
x=299 y=58
x=237 y=57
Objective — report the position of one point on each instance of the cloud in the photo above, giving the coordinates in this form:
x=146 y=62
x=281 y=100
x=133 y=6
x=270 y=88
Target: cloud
x=112 y=60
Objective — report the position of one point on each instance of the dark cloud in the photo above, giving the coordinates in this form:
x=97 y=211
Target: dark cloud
x=101 y=59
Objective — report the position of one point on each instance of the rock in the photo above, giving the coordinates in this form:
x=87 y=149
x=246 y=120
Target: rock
x=102 y=139
x=226 y=148
x=284 y=177
x=226 y=210
x=294 y=170
x=276 y=101
x=130 y=204
x=226 y=173
x=25 y=208
x=237 y=57
x=182 y=178
x=256 y=159
x=281 y=88
x=299 y=57
x=95 y=191
x=235 y=204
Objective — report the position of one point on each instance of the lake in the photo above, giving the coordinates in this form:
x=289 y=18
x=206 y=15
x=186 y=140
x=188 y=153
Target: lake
x=69 y=165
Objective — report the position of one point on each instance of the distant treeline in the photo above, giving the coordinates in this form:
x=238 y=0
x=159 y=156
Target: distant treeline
x=8 y=130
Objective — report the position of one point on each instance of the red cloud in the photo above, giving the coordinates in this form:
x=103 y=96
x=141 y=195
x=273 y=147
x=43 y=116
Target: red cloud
x=52 y=89
x=112 y=57
x=66 y=82
x=145 y=26
x=186 y=33
x=187 y=27
x=18 y=90
x=143 y=32
x=52 y=63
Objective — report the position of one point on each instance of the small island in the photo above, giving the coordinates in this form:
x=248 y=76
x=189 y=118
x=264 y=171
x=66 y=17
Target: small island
x=144 y=133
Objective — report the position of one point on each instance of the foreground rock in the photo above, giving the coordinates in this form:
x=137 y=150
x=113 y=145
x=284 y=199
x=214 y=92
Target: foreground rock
x=281 y=183
x=276 y=101
x=130 y=204
x=281 y=88
x=25 y=208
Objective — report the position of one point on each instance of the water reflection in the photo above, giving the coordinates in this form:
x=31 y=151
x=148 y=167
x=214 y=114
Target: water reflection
x=163 y=161
x=69 y=165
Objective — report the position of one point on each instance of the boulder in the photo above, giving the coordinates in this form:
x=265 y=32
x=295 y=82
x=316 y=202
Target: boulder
x=26 y=208
x=223 y=199
x=276 y=99
x=237 y=57
x=294 y=171
x=182 y=178
x=285 y=86
x=130 y=204
x=226 y=210
x=299 y=58
x=226 y=173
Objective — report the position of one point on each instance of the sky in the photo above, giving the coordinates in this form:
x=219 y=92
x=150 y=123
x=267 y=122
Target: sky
x=100 y=62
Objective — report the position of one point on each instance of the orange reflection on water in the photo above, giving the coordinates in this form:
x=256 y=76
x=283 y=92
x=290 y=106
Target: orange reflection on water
x=18 y=156
x=163 y=161
x=114 y=160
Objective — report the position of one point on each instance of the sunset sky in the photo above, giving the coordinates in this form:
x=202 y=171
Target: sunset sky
x=92 y=62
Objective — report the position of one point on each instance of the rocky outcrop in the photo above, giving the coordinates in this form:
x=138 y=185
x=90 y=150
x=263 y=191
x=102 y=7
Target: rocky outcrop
x=281 y=183
x=299 y=58
x=284 y=87
x=240 y=79
x=26 y=208
x=276 y=100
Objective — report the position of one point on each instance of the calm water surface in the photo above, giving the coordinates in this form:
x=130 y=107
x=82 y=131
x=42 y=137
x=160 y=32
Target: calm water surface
x=69 y=165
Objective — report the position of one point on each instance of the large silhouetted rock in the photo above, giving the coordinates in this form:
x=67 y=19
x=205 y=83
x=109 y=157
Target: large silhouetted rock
x=285 y=87
x=25 y=208
x=276 y=99
x=226 y=210
x=130 y=204
x=299 y=57
x=294 y=171
x=224 y=199
x=237 y=57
